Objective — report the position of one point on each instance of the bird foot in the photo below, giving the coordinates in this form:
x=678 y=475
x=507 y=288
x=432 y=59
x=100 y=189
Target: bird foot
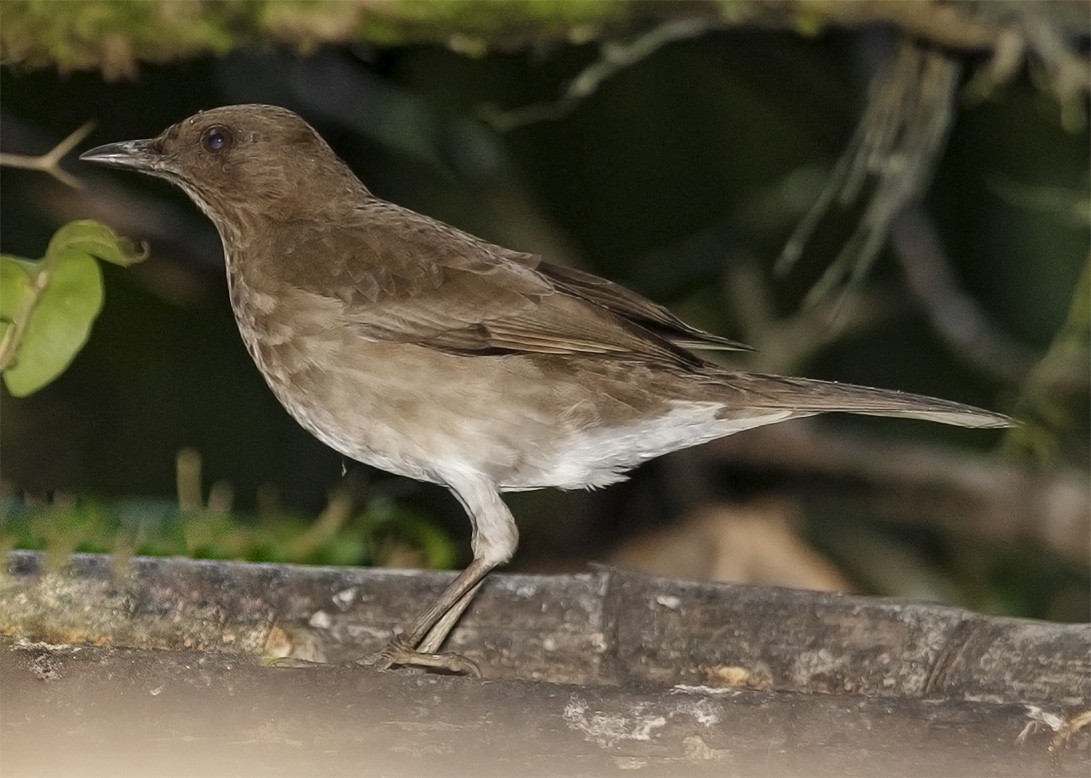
x=398 y=653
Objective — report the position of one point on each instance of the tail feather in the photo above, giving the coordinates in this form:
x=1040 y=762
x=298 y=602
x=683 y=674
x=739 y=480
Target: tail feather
x=809 y=396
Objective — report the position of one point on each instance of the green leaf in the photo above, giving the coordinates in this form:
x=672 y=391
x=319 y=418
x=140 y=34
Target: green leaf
x=95 y=239
x=60 y=321
x=47 y=307
x=15 y=288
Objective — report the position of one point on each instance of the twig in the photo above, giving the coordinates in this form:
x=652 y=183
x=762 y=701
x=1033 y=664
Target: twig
x=988 y=499
x=1046 y=399
x=1067 y=74
x=954 y=314
x=188 y=480
x=615 y=58
x=1060 y=741
x=50 y=162
x=783 y=344
x=898 y=140
x=904 y=129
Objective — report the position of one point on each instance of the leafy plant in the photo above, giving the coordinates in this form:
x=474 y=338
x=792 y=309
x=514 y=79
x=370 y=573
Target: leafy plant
x=378 y=534
x=47 y=306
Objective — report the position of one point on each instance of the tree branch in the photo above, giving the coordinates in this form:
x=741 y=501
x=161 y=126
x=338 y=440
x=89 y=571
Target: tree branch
x=115 y=38
x=50 y=162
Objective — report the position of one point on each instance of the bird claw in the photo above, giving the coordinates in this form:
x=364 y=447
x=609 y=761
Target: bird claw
x=398 y=653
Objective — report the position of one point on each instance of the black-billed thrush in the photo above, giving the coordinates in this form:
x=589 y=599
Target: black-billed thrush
x=412 y=346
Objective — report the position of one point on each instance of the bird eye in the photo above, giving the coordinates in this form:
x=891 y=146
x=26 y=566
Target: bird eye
x=216 y=139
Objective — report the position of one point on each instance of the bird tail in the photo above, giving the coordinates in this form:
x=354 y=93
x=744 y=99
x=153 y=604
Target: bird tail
x=807 y=396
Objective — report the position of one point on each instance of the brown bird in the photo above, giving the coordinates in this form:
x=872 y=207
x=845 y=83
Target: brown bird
x=417 y=348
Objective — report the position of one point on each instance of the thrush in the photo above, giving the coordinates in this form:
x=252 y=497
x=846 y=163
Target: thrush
x=410 y=345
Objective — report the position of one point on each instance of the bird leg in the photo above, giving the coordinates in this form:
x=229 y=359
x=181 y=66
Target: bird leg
x=435 y=637
x=494 y=541
x=418 y=644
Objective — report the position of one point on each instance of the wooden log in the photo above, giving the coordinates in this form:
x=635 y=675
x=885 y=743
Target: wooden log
x=152 y=667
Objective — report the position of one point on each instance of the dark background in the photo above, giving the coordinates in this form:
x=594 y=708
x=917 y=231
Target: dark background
x=695 y=161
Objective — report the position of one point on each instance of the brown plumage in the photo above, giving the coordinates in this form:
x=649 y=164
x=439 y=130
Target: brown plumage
x=410 y=345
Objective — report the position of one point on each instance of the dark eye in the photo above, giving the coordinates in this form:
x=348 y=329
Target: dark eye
x=216 y=139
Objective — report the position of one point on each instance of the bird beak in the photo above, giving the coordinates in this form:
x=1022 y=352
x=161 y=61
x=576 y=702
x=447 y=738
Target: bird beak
x=129 y=155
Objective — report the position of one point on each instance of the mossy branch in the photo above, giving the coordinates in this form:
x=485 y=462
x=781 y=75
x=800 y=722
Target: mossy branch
x=114 y=36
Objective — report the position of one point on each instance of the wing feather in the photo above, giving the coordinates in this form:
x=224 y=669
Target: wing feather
x=406 y=278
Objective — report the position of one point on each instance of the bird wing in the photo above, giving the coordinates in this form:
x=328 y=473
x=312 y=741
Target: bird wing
x=403 y=277
x=634 y=307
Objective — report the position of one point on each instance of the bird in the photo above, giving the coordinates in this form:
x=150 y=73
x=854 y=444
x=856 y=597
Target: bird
x=412 y=346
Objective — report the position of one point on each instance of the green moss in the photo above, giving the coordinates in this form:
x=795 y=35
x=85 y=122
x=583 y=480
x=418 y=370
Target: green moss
x=380 y=534
x=811 y=20
x=114 y=35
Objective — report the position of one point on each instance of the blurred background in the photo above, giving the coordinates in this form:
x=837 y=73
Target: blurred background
x=683 y=175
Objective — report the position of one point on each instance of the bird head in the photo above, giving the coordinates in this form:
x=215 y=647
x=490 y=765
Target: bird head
x=239 y=161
